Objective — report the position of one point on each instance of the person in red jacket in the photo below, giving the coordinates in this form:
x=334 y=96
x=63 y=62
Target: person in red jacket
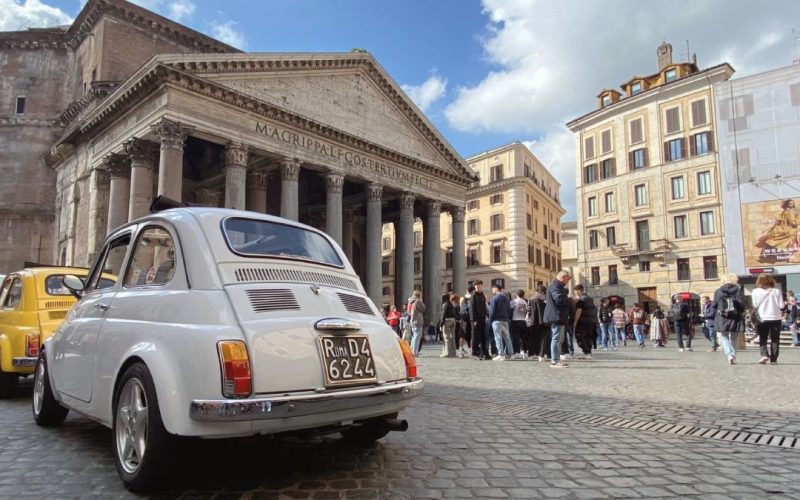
x=637 y=318
x=393 y=318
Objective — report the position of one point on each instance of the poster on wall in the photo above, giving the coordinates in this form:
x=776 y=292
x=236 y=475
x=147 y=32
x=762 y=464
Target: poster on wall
x=771 y=231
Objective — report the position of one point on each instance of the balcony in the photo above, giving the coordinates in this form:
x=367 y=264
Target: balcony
x=657 y=250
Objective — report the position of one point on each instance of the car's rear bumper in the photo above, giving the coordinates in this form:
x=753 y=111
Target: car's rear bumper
x=24 y=362
x=230 y=410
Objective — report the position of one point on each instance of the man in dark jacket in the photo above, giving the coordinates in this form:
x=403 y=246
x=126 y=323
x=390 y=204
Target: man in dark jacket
x=477 y=314
x=729 y=308
x=680 y=315
x=585 y=322
x=500 y=315
x=556 y=314
x=708 y=322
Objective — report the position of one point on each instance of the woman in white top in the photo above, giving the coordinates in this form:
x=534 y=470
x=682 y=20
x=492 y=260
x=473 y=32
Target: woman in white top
x=768 y=301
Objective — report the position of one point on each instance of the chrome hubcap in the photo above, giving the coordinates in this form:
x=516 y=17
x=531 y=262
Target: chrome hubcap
x=38 y=388
x=131 y=425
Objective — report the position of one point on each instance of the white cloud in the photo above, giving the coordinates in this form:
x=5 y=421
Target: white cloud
x=556 y=150
x=550 y=59
x=177 y=10
x=430 y=91
x=226 y=32
x=21 y=15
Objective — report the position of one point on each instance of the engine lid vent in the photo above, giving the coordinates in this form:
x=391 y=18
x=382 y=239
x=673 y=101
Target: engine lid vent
x=355 y=304
x=250 y=274
x=276 y=299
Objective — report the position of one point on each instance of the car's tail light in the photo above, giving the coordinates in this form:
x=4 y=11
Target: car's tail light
x=236 y=380
x=408 y=357
x=32 y=344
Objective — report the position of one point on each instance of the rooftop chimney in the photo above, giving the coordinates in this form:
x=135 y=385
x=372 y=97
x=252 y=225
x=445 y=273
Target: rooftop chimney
x=664 y=55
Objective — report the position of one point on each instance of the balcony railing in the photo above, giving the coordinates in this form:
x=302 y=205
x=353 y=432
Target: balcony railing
x=656 y=250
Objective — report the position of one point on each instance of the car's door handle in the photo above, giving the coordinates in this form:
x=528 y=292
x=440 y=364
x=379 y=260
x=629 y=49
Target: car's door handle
x=101 y=306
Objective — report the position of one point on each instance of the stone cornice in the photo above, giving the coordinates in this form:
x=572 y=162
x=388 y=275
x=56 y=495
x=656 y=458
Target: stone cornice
x=503 y=185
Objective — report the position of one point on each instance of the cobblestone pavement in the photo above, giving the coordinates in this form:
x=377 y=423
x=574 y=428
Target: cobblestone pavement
x=632 y=424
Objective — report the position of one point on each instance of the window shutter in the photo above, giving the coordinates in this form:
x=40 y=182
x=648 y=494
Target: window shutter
x=748 y=104
x=631 y=165
x=673 y=120
x=589 y=147
x=644 y=157
x=606 y=141
x=699 y=112
x=636 y=131
x=613 y=167
x=692 y=145
x=794 y=92
x=666 y=152
x=710 y=138
x=683 y=147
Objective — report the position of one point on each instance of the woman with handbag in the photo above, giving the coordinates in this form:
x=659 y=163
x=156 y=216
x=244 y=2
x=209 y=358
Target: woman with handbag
x=768 y=307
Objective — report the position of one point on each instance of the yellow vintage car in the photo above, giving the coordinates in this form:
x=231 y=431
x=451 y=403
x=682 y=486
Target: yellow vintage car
x=33 y=303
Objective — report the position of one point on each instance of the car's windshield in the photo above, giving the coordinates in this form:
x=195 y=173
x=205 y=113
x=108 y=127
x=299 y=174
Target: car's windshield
x=270 y=239
x=54 y=284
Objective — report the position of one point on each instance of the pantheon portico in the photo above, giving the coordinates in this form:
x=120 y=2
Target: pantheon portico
x=329 y=140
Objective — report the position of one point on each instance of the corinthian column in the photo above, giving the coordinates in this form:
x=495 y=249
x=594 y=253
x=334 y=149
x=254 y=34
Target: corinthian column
x=373 y=246
x=333 y=206
x=98 y=210
x=459 y=251
x=431 y=262
x=170 y=163
x=290 y=173
x=404 y=251
x=236 y=156
x=256 y=199
x=119 y=193
x=142 y=155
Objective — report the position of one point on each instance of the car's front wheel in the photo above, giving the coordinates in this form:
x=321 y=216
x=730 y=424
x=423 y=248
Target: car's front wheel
x=47 y=411
x=142 y=446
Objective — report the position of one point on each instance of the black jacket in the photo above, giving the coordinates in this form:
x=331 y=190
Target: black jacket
x=729 y=324
x=557 y=304
x=477 y=307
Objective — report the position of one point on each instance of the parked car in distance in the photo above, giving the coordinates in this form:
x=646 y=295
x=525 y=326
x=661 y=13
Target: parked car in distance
x=33 y=302
x=223 y=323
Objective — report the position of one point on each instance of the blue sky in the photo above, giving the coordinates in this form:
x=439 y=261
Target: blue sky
x=488 y=72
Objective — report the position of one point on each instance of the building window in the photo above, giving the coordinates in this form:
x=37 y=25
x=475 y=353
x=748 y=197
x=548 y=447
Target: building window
x=605 y=141
x=684 y=273
x=671 y=75
x=704 y=183
x=529 y=221
x=545 y=231
x=640 y=195
x=678 y=186
x=590 y=173
x=20 y=106
x=701 y=144
x=385 y=267
x=699 y=113
x=710 y=270
x=417 y=238
x=387 y=244
x=553 y=235
x=638 y=158
x=473 y=204
x=592 y=206
x=497 y=222
x=595 y=276
x=609 y=202
x=680 y=224
x=530 y=253
x=644 y=266
x=637 y=135
x=417 y=263
x=593 y=239
x=707 y=222
x=495 y=199
x=611 y=236
x=536 y=204
x=448 y=259
x=606 y=100
x=675 y=149
x=643 y=236
x=588 y=148
x=547 y=260
x=497 y=173
x=636 y=88
x=613 y=279
x=501 y=282
x=472 y=227
x=538 y=257
x=386 y=291
x=497 y=252
x=607 y=168
x=673 y=118
x=472 y=257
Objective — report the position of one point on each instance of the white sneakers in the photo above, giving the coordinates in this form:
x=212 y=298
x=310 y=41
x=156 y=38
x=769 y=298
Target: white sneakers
x=499 y=357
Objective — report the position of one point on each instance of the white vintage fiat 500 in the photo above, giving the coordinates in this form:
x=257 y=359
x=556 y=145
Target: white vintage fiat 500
x=221 y=323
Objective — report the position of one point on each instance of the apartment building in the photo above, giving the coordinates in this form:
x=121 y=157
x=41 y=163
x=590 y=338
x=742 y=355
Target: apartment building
x=650 y=222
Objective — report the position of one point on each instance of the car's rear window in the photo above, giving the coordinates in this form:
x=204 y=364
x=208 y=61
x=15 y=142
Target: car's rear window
x=54 y=284
x=271 y=239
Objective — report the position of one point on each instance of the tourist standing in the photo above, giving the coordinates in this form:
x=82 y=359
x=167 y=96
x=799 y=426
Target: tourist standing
x=393 y=319
x=680 y=316
x=466 y=325
x=709 y=313
x=477 y=314
x=499 y=316
x=556 y=314
x=620 y=320
x=449 y=313
x=768 y=301
x=585 y=323
x=659 y=327
x=519 y=331
x=415 y=309
x=728 y=306
x=535 y=320
x=637 y=317
x=605 y=325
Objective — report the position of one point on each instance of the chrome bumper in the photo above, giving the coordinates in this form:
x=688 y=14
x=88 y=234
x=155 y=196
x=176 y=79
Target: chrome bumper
x=232 y=410
x=23 y=362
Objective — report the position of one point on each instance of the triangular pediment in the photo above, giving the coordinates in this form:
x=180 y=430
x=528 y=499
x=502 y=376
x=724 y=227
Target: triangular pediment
x=347 y=92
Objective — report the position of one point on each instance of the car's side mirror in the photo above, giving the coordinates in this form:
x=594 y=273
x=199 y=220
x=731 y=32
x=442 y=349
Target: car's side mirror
x=74 y=284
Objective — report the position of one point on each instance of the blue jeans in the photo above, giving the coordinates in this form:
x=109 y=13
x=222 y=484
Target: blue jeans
x=796 y=339
x=638 y=332
x=619 y=333
x=729 y=342
x=416 y=338
x=501 y=336
x=604 y=332
x=708 y=332
x=488 y=338
x=556 y=338
x=570 y=333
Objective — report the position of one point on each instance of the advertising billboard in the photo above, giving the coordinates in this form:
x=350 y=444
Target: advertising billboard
x=771 y=233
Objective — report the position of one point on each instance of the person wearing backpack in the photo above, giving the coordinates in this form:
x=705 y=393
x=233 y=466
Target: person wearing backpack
x=535 y=321
x=709 y=317
x=768 y=301
x=680 y=315
x=466 y=325
x=728 y=308
x=449 y=315
x=519 y=331
x=637 y=318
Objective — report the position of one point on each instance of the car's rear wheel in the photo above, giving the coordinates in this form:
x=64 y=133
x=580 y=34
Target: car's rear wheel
x=9 y=382
x=47 y=411
x=369 y=431
x=142 y=446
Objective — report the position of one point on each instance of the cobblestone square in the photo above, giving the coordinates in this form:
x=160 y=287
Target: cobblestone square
x=630 y=424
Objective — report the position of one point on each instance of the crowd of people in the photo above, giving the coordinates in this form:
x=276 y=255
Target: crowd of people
x=550 y=324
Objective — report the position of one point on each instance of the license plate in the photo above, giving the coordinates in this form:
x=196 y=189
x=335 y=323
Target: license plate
x=346 y=359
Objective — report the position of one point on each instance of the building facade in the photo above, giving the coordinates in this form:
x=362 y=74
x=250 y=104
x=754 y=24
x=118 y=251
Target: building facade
x=327 y=139
x=513 y=228
x=650 y=221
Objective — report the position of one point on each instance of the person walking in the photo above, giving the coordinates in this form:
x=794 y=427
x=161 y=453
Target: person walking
x=620 y=320
x=680 y=316
x=585 y=322
x=415 y=309
x=466 y=325
x=769 y=303
x=449 y=313
x=393 y=319
x=499 y=316
x=728 y=308
x=605 y=325
x=477 y=314
x=519 y=330
x=535 y=321
x=556 y=314
x=637 y=317
x=709 y=313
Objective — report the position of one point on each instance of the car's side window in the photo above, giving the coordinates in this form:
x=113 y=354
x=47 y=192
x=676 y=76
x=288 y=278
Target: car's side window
x=14 y=296
x=153 y=261
x=6 y=287
x=111 y=264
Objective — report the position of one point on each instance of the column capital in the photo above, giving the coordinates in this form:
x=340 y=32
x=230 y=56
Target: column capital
x=334 y=182
x=172 y=134
x=457 y=213
x=374 y=192
x=236 y=154
x=257 y=179
x=141 y=152
x=434 y=208
x=290 y=169
x=407 y=200
x=101 y=176
x=349 y=213
x=117 y=165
